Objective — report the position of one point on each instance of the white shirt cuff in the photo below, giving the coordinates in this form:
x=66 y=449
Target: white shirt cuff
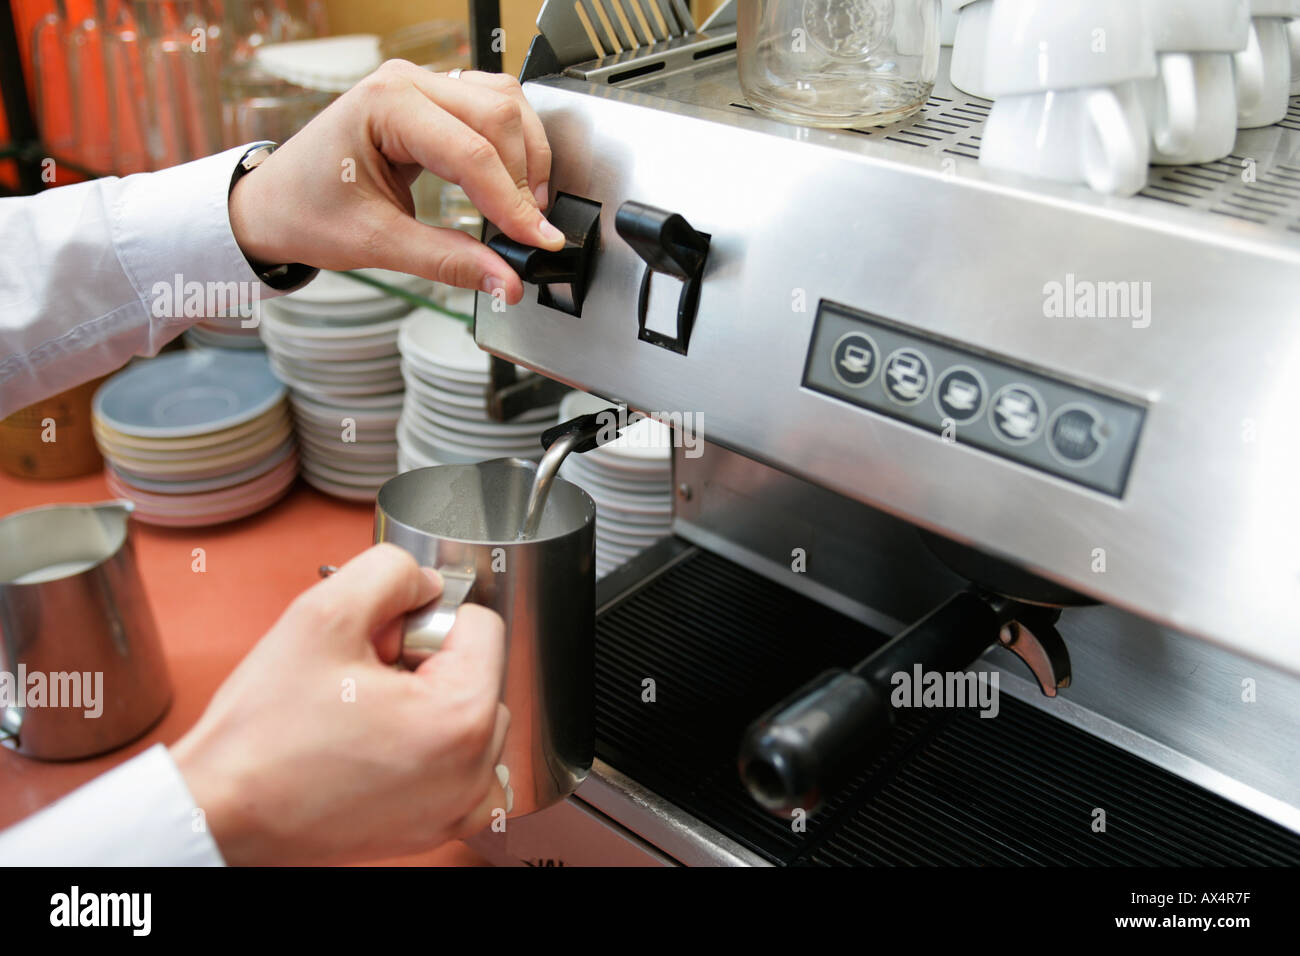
x=138 y=814
x=177 y=222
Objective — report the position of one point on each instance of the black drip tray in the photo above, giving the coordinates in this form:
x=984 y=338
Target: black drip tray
x=723 y=644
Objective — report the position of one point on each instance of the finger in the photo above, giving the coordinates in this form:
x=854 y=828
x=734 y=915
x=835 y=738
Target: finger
x=471 y=663
x=488 y=810
x=492 y=756
x=443 y=255
x=535 y=141
x=420 y=131
x=369 y=592
x=499 y=733
x=497 y=116
x=500 y=795
x=388 y=639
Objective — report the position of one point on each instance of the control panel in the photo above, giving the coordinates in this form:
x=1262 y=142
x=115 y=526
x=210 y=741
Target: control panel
x=974 y=398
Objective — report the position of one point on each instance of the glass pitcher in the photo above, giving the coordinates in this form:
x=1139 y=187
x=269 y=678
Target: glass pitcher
x=838 y=63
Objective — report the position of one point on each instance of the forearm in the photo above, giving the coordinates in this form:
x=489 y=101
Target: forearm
x=89 y=272
x=138 y=814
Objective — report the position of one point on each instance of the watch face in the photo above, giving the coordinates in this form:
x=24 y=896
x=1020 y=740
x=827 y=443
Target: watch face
x=256 y=157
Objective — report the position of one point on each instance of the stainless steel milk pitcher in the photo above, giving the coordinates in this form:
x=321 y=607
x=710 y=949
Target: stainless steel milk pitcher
x=465 y=520
x=81 y=666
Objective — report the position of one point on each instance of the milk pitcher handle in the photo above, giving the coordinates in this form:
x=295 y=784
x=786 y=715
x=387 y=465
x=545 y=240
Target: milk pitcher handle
x=426 y=628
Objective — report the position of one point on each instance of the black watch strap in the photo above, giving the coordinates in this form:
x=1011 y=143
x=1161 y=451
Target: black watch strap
x=282 y=277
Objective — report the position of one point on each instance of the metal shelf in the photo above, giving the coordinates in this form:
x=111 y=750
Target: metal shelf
x=1258 y=185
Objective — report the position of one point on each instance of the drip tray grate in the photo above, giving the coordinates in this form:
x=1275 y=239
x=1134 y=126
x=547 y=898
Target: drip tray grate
x=722 y=645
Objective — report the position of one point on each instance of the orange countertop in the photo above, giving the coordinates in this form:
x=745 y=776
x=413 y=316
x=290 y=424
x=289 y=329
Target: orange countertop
x=208 y=621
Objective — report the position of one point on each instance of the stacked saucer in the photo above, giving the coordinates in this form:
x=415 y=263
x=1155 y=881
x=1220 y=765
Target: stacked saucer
x=347 y=443
x=223 y=333
x=196 y=438
x=445 y=420
x=630 y=479
x=339 y=297
x=334 y=343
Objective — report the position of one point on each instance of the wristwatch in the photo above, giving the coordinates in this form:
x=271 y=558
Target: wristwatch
x=282 y=277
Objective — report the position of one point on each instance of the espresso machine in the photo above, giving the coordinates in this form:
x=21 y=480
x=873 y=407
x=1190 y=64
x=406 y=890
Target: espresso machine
x=955 y=420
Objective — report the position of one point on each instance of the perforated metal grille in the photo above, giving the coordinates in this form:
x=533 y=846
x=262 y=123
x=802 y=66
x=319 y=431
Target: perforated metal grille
x=1233 y=187
x=946 y=123
x=952 y=125
x=1259 y=183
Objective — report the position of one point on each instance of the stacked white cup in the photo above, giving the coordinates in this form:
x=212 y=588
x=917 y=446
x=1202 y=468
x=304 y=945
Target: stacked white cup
x=1263 y=68
x=948 y=22
x=1191 y=105
x=1293 y=30
x=1066 y=75
x=969 y=46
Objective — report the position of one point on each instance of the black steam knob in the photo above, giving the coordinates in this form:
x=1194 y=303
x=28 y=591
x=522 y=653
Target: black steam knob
x=670 y=247
x=665 y=240
x=564 y=275
x=539 y=266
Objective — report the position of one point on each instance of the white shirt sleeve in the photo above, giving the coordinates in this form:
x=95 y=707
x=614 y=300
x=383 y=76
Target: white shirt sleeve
x=79 y=265
x=138 y=814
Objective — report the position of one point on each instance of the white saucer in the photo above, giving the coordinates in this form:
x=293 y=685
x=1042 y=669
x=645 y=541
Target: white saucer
x=442 y=343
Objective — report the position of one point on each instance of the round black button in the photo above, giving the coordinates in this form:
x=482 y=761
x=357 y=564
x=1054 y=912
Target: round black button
x=1076 y=434
x=907 y=376
x=960 y=394
x=855 y=360
x=1016 y=414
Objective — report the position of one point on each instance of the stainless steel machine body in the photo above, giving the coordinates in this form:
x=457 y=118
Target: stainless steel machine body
x=1171 y=320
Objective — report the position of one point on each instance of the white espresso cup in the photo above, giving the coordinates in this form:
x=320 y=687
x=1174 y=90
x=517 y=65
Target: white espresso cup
x=1293 y=31
x=1263 y=69
x=1038 y=45
x=1095 y=136
x=969 y=45
x=948 y=22
x=1191 y=105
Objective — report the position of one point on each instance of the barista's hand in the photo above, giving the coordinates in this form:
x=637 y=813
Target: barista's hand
x=315 y=751
x=337 y=195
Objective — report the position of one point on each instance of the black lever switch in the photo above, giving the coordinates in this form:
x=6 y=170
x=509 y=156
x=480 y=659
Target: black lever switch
x=669 y=246
x=563 y=276
x=539 y=266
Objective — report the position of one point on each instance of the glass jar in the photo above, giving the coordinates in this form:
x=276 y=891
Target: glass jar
x=838 y=63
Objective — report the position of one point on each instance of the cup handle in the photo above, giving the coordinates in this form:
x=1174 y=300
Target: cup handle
x=424 y=629
x=1117 y=170
x=1249 y=68
x=1178 y=80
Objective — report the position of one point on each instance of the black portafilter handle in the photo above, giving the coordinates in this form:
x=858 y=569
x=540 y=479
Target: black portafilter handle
x=807 y=746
